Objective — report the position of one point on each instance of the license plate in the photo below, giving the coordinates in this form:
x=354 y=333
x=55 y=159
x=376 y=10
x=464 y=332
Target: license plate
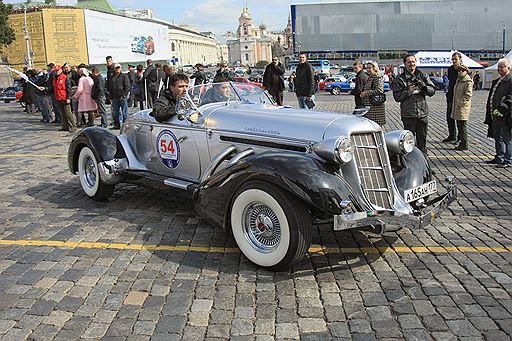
x=421 y=191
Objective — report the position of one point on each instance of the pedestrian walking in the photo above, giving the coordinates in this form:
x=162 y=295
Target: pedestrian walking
x=410 y=89
x=452 y=79
x=291 y=82
x=476 y=81
x=461 y=107
x=42 y=97
x=360 y=82
x=51 y=91
x=498 y=115
x=373 y=94
x=86 y=104
x=199 y=76
x=138 y=88
x=150 y=83
x=273 y=80
x=305 y=83
x=120 y=90
x=169 y=71
x=131 y=77
x=98 y=95
x=62 y=88
x=29 y=93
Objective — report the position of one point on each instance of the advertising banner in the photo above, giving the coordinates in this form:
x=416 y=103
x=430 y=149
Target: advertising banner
x=125 y=39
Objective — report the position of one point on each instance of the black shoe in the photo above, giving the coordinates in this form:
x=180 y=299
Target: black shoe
x=493 y=162
x=449 y=139
x=461 y=147
x=504 y=165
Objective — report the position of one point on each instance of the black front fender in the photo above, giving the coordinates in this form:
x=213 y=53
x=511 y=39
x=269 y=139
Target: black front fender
x=103 y=143
x=415 y=171
x=314 y=182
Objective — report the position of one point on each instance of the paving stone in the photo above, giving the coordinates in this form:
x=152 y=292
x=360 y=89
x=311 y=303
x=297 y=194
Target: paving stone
x=287 y=331
x=241 y=327
x=462 y=328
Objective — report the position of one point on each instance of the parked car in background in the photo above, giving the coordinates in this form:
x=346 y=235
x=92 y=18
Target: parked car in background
x=328 y=80
x=11 y=94
x=265 y=173
x=438 y=82
x=247 y=81
x=337 y=88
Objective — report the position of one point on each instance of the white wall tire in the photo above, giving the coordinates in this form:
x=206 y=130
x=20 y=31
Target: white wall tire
x=90 y=177
x=271 y=229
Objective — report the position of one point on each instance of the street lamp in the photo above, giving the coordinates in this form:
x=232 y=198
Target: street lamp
x=27 y=38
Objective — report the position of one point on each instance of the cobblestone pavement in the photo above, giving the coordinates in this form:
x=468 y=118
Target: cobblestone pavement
x=72 y=268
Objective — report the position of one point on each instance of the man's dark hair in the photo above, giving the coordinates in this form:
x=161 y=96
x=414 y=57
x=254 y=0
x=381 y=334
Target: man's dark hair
x=303 y=54
x=457 y=53
x=94 y=69
x=408 y=55
x=178 y=77
x=149 y=61
x=158 y=65
x=108 y=57
x=140 y=67
x=221 y=80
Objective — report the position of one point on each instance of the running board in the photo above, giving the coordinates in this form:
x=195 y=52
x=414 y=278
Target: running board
x=181 y=184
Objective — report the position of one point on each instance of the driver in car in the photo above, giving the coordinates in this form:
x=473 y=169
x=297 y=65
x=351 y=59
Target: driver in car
x=165 y=106
x=219 y=92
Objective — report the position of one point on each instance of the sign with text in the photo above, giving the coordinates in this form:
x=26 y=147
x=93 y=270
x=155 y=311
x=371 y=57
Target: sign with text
x=125 y=39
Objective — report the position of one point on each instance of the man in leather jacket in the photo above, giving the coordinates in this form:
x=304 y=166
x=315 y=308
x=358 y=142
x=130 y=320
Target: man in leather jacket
x=165 y=106
x=410 y=88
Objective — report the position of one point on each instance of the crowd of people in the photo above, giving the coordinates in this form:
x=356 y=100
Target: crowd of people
x=412 y=87
x=75 y=95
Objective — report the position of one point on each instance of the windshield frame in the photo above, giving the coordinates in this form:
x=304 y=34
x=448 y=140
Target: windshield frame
x=196 y=93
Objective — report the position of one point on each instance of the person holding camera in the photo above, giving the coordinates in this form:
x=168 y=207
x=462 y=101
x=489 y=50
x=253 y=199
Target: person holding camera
x=273 y=80
x=410 y=89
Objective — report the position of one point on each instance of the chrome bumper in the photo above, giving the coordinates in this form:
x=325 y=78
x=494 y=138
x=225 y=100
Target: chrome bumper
x=418 y=219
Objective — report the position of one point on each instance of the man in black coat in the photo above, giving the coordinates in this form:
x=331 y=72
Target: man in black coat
x=98 y=95
x=453 y=74
x=199 y=75
x=150 y=81
x=410 y=89
x=165 y=105
x=498 y=115
x=273 y=80
x=305 y=83
x=360 y=82
x=224 y=72
x=119 y=92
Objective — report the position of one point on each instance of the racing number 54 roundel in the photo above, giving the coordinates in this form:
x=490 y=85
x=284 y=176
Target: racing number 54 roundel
x=168 y=148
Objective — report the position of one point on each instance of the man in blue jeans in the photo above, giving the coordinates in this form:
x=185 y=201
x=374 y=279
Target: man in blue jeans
x=305 y=83
x=119 y=92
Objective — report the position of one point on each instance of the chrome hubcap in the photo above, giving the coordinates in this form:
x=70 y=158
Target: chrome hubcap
x=261 y=228
x=89 y=171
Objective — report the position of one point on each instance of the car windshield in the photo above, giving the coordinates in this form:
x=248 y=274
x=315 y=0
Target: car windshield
x=227 y=92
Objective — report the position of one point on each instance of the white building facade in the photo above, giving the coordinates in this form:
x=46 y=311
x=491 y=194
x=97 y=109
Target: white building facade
x=189 y=47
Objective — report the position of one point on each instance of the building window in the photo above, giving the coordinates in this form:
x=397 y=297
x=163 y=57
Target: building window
x=173 y=47
x=246 y=57
x=246 y=47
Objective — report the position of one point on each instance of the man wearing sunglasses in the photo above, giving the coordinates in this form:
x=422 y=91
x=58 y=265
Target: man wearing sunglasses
x=273 y=80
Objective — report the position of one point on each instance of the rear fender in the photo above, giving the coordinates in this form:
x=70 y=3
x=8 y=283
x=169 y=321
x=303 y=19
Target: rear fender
x=314 y=182
x=103 y=143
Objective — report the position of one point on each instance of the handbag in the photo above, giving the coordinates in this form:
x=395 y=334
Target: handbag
x=377 y=99
x=309 y=103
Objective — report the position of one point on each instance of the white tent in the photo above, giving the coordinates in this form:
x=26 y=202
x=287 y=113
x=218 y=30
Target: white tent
x=495 y=66
x=442 y=59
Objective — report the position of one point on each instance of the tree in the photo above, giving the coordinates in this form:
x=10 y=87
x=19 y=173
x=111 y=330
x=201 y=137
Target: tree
x=6 y=31
x=261 y=64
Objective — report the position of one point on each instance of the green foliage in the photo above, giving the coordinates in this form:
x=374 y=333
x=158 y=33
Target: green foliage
x=51 y=2
x=6 y=31
x=261 y=64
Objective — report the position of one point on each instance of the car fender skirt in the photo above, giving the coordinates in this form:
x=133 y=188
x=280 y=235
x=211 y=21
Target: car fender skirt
x=415 y=171
x=103 y=143
x=312 y=181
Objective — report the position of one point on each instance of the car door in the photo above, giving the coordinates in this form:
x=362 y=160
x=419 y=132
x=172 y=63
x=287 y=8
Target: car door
x=174 y=150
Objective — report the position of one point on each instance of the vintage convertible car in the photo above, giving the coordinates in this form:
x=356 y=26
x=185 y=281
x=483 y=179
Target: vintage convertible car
x=266 y=172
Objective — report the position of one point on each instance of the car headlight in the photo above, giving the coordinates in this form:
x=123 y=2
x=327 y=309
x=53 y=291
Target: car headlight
x=400 y=141
x=335 y=149
x=345 y=150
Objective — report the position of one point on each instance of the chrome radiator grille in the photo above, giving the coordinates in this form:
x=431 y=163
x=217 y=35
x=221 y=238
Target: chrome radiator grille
x=371 y=162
